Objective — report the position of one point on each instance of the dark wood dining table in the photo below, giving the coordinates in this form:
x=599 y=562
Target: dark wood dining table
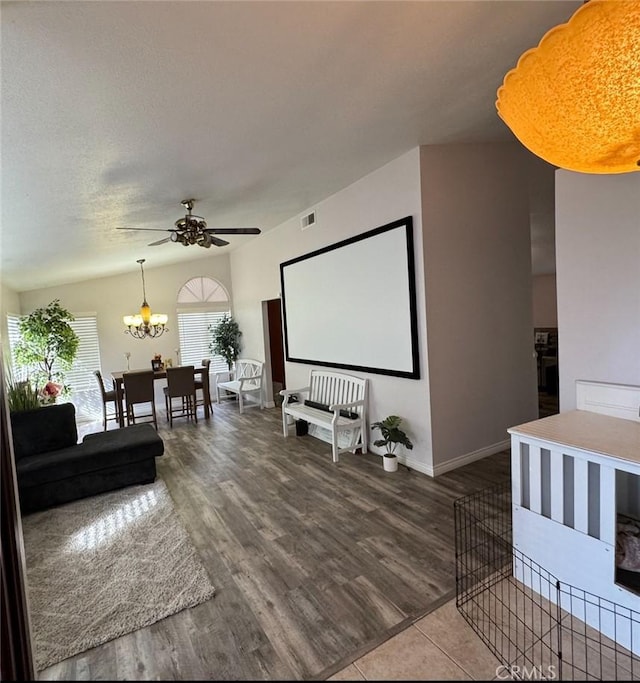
x=118 y=382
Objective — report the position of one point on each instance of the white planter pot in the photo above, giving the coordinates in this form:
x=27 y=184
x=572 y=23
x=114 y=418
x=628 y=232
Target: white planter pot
x=390 y=463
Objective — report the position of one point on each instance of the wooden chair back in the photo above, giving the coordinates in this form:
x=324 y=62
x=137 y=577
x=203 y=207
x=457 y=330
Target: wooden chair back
x=138 y=386
x=180 y=381
x=107 y=394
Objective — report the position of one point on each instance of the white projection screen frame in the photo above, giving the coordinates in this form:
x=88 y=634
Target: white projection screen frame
x=352 y=304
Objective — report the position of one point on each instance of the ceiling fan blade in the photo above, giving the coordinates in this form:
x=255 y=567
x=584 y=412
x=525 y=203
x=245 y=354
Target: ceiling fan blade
x=218 y=242
x=162 y=241
x=233 y=231
x=148 y=229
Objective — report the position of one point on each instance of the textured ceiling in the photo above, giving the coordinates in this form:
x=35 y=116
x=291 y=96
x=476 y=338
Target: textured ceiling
x=114 y=112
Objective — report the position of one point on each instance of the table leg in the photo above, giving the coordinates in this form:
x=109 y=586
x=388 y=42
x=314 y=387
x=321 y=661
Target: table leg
x=119 y=406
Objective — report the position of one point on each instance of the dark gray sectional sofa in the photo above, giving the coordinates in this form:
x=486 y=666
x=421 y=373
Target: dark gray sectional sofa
x=53 y=468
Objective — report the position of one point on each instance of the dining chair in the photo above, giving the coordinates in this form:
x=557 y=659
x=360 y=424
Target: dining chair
x=180 y=384
x=200 y=385
x=108 y=396
x=138 y=389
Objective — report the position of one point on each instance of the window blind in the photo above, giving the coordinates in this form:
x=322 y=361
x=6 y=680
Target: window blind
x=87 y=360
x=195 y=337
x=80 y=377
x=13 y=333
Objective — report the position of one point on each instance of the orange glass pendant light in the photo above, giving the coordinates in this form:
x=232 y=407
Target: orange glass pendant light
x=574 y=100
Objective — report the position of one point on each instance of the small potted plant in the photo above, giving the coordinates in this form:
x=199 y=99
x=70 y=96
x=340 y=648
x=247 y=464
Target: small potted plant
x=392 y=435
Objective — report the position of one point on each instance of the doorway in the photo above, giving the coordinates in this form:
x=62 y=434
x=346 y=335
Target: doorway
x=546 y=345
x=276 y=348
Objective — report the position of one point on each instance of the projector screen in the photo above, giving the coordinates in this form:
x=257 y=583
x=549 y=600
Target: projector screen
x=352 y=304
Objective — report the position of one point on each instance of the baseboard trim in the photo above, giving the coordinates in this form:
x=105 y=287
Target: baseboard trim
x=454 y=463
x=467 y=458
x=416 y=465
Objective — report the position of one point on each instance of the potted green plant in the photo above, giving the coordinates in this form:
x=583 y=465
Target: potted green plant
x=226 y=340
x=47 y=346
x=21 y=396
x=392 y=436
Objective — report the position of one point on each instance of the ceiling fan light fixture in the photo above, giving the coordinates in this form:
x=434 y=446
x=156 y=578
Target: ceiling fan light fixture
x=191 y=229
x=205 y=240
x=145 y=323
x=574 y=99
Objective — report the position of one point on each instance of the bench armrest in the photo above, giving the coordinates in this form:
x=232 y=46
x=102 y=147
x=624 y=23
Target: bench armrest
x=243 y=380
x=287 y=393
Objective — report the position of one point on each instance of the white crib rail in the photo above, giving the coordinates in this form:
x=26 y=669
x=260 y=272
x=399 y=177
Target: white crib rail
x=573 y=487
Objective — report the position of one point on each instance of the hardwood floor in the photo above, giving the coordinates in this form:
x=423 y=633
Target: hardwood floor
x=314 y=564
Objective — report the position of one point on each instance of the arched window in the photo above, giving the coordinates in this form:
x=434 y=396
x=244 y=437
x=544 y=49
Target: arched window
x=202 y=302
x=200 y=290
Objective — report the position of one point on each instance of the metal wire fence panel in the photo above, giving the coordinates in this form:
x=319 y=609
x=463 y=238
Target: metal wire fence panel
x=537 y=626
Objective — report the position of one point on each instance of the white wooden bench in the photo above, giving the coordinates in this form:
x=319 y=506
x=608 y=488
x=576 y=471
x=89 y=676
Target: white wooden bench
x=332 y=400
x=245 y=380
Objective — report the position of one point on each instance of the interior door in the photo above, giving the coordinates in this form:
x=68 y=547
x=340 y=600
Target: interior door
x=276 y=344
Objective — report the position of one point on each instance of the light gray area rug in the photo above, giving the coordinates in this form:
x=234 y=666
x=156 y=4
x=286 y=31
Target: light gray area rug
x=105 y=566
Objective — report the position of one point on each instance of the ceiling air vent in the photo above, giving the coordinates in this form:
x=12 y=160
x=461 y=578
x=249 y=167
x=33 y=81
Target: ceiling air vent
x=308 y=221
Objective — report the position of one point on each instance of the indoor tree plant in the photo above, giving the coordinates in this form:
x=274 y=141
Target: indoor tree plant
x=392 y=435
x=226 y=339
x=48 y=346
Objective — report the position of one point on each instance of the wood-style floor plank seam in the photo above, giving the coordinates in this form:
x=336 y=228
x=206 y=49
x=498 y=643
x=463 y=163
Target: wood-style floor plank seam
x=313 y=562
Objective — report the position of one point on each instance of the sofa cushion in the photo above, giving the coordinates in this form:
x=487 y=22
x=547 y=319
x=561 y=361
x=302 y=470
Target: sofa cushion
x=141 y=440
x=43 y=429
x=101 y=451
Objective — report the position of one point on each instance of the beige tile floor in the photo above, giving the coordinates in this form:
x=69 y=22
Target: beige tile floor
x=440 y=646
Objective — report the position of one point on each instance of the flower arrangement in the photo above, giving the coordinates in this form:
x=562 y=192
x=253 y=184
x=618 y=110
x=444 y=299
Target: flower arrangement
x=50 y=392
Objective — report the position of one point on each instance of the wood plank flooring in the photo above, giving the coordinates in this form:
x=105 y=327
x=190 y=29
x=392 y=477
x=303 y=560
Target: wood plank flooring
x=313 y=563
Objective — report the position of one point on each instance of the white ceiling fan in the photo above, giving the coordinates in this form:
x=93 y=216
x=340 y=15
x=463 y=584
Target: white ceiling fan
x=193 y=230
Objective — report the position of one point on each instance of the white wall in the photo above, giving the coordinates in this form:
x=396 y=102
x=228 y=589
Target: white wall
x=477 y=255
x=385 y=195
x=112 y=297
x=545 y=306
x=598 y=279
